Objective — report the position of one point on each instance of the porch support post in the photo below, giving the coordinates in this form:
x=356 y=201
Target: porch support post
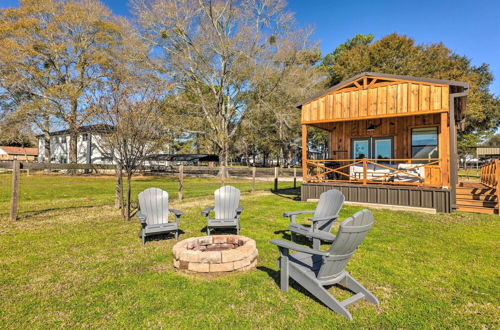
x=453 y=148
x=304 y=153
x=444 y=150
x=364 y=170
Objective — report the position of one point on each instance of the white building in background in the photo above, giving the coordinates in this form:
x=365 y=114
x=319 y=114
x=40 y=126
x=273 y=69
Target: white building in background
x=89 y=145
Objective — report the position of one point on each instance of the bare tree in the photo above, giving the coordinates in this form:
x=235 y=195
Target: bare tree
x=214 y=51
x=133 y=115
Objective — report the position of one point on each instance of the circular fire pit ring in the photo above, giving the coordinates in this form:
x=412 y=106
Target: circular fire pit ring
x=217 y=253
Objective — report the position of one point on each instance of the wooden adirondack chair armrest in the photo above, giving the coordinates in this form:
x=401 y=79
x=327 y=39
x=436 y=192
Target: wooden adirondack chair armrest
x=239 y=210
x=285 y=245
x=293 y=214
x=206 y=212
x=177 y=214
x=141 y=217
x=324 y=236
x=314 y=219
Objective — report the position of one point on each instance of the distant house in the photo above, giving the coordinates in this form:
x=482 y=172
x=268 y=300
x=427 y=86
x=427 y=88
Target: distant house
x=89 y=145
x=18 y=153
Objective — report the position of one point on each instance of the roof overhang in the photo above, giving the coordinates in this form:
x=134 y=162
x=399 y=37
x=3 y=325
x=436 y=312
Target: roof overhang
x=394 y=77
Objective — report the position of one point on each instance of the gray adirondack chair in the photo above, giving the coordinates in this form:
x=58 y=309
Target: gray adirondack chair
x=154 y=212
x=315 y=269
x=326 y=213
x=227 y=209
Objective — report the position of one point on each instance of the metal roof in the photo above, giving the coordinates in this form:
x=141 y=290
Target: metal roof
x=184 y=157
x=388 y=76
x=20 y=150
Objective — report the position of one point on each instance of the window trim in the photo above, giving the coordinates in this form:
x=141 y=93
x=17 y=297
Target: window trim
x=438 y=134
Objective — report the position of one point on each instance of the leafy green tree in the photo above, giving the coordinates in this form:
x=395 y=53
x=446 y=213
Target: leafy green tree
x=58 y=54
x=399 y=54
x=493 y=141
x=328 y=62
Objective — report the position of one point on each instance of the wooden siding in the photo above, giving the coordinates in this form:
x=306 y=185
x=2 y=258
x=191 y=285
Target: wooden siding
x=399 y=128
x=380 y=100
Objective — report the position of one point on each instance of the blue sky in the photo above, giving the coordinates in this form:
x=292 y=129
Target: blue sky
x=470 y=28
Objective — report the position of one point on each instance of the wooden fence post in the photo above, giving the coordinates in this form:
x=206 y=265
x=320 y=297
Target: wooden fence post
x=181 y=182
x=253 y=178
x=294 y=178
x=275 y=179
x=16 y=172
x=364 y=170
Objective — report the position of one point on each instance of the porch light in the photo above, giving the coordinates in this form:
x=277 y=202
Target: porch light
x=371 y=128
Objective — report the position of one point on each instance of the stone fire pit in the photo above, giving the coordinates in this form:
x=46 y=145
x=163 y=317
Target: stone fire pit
x=218 y=253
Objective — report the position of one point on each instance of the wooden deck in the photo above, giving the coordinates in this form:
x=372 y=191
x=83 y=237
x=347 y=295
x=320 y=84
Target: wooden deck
x=477 y=197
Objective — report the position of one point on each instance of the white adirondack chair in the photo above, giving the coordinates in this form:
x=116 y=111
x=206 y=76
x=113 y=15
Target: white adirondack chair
x=154 y=213
x=227 y=210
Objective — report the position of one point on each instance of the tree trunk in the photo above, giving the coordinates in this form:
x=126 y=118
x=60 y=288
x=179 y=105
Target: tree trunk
x=119 y=187
x=73 y=149
x=289 y=156
x=47 y=152
x=129 y=193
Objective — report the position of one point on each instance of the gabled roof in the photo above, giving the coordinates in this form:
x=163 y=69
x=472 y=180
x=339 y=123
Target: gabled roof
x=387 y=76
x=20 y=151
x=98 y=128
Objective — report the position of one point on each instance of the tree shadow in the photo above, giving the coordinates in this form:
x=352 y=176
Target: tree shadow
x=31 y=214
x=220 y=231
x=290 y=193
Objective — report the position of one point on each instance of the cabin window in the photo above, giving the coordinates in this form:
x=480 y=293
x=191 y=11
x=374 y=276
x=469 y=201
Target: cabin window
x=424 y=143
x=372 y=147
x=85 y=137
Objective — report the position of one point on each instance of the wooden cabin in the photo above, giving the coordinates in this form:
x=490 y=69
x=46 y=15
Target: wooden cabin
x=392 y=140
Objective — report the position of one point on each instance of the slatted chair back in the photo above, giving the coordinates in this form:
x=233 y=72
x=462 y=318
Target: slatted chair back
x=153 y=203
x=330 y=203
x=351 y=233
x=227 y=200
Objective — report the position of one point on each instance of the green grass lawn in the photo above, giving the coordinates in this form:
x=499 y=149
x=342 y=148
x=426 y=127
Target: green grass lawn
x=79 y=266
x=39 y=193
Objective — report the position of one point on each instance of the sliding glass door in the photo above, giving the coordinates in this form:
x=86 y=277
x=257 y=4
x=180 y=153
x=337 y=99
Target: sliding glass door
x=374 y=148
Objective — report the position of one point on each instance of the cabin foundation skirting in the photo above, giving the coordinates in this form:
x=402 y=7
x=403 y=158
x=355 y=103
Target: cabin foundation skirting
x=422 y=197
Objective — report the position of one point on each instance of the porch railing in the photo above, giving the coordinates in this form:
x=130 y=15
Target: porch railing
x=415 y=172
x=490 y=173
x=490 y=176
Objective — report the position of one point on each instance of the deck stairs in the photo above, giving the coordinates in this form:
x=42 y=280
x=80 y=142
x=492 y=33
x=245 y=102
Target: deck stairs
x=477 y=198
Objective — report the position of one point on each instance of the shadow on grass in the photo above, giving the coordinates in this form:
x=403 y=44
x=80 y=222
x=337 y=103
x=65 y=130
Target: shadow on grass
x=275 y=275
x=163 y=236
x=30 y=214
x=298 y=239
x=219 y=231
x=290 y=193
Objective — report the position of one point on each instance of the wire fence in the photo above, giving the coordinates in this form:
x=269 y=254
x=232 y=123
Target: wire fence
x=49 y=187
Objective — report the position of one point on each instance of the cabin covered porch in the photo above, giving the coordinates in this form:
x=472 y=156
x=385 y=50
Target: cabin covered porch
x=404 y=150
